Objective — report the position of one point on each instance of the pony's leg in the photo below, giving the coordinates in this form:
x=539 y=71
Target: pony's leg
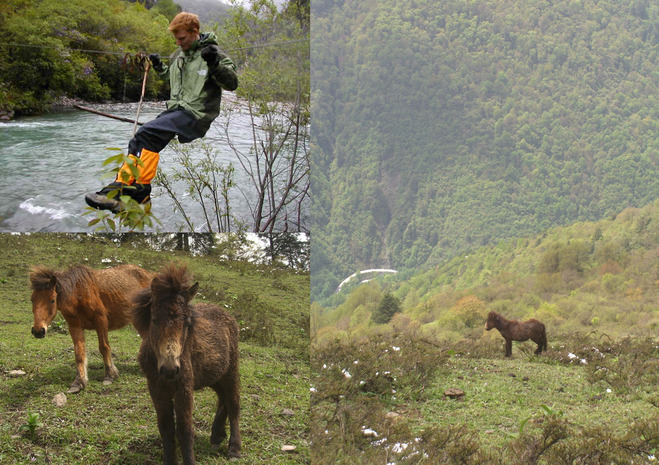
x=164 y=406
x=538 y=341
x=218 y=431
x=183 y=404
x=111 y=371
x=232 y=402
x=78 y=336
x=509 y=347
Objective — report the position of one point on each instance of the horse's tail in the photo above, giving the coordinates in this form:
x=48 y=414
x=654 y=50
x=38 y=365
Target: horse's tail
x=544 y=339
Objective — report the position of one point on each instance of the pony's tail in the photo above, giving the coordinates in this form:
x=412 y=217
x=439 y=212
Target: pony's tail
x=544 y=339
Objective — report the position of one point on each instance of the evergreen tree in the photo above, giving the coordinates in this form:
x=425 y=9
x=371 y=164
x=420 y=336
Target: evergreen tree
x=389 y=305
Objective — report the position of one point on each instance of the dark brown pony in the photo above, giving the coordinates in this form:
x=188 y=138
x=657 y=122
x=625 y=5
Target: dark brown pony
x=87 y=299
x=186 y=347
x=513 y=330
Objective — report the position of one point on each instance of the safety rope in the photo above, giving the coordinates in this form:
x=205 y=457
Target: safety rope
x=104 y=52
x=142 y=61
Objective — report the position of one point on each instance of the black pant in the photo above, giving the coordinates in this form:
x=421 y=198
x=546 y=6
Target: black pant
x=156 y=134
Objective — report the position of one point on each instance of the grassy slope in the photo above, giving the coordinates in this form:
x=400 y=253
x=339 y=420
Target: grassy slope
x=588 y=410
x=116 y=424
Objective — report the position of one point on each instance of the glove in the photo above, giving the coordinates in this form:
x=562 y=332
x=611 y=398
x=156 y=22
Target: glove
x=210 y=54
x=155 y=60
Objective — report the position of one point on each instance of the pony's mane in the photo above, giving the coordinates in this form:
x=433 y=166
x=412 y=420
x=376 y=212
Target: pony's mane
x=172 y=280
x=141 y=311
x=41 y=277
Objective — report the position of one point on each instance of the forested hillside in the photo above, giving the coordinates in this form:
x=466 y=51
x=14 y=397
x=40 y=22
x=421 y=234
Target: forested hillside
x=590 y=276
x=440 y=127
x=38 y=65
x=82 y=49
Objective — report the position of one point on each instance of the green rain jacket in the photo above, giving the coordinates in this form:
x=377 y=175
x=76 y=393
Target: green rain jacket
x=196 y=87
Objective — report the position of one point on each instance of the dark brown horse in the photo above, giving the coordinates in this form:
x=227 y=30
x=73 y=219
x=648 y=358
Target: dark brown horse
x=87 y=299
x=513 y=330
x=186 y=347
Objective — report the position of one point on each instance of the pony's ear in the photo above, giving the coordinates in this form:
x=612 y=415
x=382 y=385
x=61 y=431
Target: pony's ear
x=193 y=291
x=141 y=311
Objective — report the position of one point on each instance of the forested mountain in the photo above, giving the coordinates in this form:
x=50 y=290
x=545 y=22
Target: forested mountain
x=440 y=127
x=209 y=11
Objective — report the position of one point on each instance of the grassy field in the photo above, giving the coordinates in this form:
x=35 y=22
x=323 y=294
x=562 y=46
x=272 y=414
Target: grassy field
x=116 y=424
x=588 y=400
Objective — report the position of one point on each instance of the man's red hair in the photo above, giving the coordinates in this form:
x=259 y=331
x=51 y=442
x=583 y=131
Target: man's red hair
x=183 y=21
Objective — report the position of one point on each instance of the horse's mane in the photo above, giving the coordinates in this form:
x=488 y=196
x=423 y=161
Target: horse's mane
x=172 y=280
x=141 y=311
x=41 y=278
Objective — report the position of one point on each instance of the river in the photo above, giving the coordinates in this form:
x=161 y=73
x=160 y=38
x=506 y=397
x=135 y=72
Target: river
x=49 y=162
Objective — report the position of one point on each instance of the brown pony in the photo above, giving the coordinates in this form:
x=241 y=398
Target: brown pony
x=87 y=299
x=513 y=330
x=186 y=347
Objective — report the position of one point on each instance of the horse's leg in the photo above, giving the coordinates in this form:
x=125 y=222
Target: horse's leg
x=183 y=404
x=111 y=371
x=164 y=406
x=509 y=347
x=78 y=336
x=218 y=431
x=232 y=403
x=538 y=351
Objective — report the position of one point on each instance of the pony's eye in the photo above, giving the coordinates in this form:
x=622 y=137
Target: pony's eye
x=52 y=301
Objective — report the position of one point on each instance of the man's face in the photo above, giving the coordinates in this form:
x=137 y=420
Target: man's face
x=184 y=39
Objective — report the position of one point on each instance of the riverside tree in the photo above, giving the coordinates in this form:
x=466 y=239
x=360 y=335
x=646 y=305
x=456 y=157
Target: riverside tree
x=272 y=52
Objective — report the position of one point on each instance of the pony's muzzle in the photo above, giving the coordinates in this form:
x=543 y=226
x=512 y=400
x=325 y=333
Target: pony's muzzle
x=40 y=333
x=169 y=362
x=170 y=371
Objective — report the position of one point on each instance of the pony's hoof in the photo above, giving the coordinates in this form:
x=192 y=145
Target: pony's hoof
x=74 y=389
x=215 y=446
x=107 y=381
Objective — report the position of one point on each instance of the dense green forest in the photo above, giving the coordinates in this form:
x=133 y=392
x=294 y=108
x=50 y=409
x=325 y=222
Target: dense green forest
x=440 y=127
x=42 y=57
x=590 y=276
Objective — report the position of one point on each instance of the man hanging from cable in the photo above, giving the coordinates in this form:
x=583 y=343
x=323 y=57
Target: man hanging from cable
x=198 y=71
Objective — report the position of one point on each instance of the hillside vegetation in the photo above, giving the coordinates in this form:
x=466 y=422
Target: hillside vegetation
x=441 y=127
x=592 y=276
x=38 y=65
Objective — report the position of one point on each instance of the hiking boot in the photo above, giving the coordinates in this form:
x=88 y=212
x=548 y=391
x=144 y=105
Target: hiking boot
x=100 y=200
